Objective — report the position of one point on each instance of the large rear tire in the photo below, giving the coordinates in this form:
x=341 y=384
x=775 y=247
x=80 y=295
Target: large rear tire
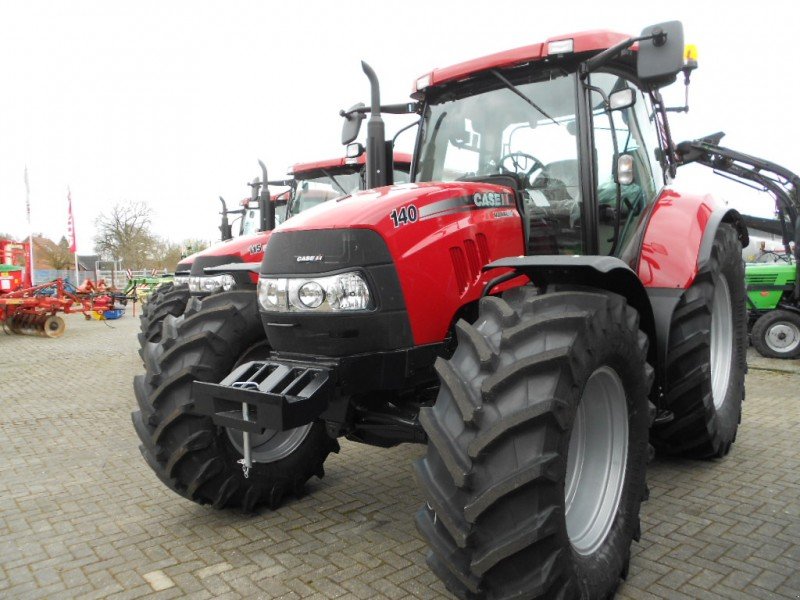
x=776 y=334
x=537 y=450
x=165 y=300
x=707 y=357
x=188 y=452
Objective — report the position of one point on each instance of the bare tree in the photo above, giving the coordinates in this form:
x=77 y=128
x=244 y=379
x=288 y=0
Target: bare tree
x=124 y=234
x=58 y=256
x=166 y=255
x=192 y=245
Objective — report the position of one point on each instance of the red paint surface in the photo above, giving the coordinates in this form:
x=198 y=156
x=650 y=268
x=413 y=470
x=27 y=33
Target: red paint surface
x=422 y=250
x=585 y=41
x=673 y=237
x=333 y=163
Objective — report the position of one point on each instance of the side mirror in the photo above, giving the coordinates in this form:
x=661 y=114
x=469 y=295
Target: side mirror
x=621 y=99
x=660 y=59
x=352 y=123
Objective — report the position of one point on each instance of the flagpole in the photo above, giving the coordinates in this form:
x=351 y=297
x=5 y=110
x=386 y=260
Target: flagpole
x=32 y=266
x=73 y=239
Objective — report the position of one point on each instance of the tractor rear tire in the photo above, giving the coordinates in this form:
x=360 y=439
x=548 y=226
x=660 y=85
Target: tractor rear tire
x=542 y=407
x=188 y=452
x=166 y=300
x=776 y=334
x=707 y=357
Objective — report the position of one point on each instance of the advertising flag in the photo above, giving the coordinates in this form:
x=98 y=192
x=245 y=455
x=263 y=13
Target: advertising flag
x=71 y=225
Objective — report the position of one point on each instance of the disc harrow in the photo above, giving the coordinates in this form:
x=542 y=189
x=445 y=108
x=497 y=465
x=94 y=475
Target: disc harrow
x=35 y=310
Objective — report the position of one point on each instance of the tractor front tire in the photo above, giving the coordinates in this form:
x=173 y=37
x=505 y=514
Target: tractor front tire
x=188 y=452
x=165 y=300
x=535 y=468
x=707 y=357
x=776 y=334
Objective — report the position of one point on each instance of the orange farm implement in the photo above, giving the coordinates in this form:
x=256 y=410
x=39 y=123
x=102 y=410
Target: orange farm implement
x=34 y=310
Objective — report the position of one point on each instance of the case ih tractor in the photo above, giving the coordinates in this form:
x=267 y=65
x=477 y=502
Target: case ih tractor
x=310 y=184
x=538 y=306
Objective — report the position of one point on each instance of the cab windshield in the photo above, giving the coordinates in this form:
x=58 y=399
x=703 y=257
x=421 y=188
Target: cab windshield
x=531 y=139
x=316 y=190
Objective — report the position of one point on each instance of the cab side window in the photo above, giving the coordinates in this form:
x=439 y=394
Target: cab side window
x=624 y=143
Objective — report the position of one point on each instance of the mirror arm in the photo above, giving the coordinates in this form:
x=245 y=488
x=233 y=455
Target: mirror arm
x=405 y=108
x=598 y=60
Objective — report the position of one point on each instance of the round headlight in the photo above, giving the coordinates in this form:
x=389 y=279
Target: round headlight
x=311 y=294
x=228 y=282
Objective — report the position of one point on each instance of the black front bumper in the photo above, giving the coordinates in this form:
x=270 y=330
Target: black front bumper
x=278 y=395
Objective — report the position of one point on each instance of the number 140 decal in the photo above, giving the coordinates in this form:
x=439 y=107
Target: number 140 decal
x=404 y=216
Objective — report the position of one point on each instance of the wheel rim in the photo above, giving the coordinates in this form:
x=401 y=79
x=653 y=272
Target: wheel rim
x=783 y=337
x=598 y=454
x=721 y=341
x=271 y=445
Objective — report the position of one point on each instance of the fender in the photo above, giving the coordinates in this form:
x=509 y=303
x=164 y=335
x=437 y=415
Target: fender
x=721 y=215
x=603 y=272
x=679 y=237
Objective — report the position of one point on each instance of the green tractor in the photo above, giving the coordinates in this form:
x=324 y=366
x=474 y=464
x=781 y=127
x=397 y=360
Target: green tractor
x=773 y=308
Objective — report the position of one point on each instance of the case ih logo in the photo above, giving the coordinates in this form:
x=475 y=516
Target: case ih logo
x=310 y=258
x=490 y=199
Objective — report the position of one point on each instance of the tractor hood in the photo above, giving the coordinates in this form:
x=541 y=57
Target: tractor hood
x=420 y=246
x=401 y=206
x=248 y=248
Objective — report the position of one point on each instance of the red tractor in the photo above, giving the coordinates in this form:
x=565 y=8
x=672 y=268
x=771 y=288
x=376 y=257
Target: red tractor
x=539 y=306
x=310 y=184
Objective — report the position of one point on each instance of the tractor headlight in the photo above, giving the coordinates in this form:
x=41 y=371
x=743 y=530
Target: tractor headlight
x=311 y=294
x=200 y=284
x=180 y=280
x=335 y=293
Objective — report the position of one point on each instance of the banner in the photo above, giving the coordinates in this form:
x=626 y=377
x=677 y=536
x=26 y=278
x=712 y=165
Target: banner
x=73 y=247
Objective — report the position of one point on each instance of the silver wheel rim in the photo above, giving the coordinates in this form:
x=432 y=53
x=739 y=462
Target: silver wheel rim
x=782 y=337
x=598 y=455
x=721 y=341
x=271 y=445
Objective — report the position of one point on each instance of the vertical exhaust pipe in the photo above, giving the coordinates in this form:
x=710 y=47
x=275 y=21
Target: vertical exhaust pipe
x=225 y=227
x=265 y=206
x=377 y=175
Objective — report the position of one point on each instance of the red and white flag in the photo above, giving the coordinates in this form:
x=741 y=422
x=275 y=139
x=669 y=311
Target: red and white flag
x=73 y=247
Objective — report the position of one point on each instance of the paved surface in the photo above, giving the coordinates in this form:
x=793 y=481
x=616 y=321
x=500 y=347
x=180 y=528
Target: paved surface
x=82 y=516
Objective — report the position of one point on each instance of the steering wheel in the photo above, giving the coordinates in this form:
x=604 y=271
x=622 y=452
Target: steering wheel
x=519 y=164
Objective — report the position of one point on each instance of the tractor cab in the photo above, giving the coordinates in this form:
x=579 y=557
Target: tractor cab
x=251 y=216
x=577 y=136
x=320 y=181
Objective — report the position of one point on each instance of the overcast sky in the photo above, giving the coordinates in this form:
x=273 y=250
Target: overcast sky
x=172 y=103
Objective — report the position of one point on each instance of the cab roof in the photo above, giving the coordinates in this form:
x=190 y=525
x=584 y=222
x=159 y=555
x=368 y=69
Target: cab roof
x=334 y=163
x=585 y=41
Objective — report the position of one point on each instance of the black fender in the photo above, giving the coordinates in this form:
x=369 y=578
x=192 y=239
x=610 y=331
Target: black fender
x=603 y=272
x=721 y=215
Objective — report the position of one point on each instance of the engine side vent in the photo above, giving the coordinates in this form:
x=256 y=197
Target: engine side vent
x=474 y=261
x=483 y=248
x=460 y=268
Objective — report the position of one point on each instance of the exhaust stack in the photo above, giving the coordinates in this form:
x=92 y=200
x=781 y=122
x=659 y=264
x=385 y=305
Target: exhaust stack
x=377 y=174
